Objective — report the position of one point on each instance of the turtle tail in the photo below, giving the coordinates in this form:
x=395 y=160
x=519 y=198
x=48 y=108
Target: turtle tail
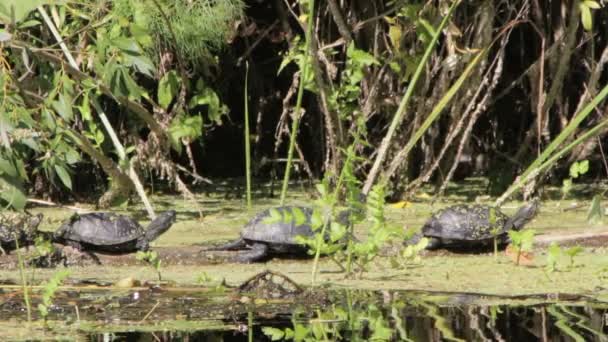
x=523 y=215
x=159 y=225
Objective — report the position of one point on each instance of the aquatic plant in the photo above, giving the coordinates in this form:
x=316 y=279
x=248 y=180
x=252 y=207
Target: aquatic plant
x=151 y=258
x=553 y=253
x=50 y=288
x=572 y=252
x=576 y=169
x=522 y=241
x=304 y=76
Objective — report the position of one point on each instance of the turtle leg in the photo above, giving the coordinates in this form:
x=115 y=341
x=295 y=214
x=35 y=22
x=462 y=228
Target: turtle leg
x=257 y=252
x=230 y=246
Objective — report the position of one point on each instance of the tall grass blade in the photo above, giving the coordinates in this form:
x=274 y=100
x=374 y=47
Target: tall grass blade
x=439 y=107
x=545 y=159
x=296 y=118
x=382 y=151
x=247 y=139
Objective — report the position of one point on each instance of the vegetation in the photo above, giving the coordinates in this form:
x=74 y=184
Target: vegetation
x=373 y=100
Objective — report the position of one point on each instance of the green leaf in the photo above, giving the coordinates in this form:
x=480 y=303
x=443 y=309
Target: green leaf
x=574 y=251
x=127 y=45
x=64 y=176
x=583 y=167
x=63 y=106
x=275 y=216
x=12 y=194
x=553 y=253
x=427 y=26
x=586 y=17
x=22 y=8
x=360 y=57
x=596 y=214
x=299 y=216
x=141 y=63
x=42 y=309
x=274 y=333
x=7 y=167
x=592 y=4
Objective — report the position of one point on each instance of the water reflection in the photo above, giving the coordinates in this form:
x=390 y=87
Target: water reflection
x=345 y=315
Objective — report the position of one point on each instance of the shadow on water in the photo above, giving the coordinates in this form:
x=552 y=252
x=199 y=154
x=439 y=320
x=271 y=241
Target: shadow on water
x=100 y=313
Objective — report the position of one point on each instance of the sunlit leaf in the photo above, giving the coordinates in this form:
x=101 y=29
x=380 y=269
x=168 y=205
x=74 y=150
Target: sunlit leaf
x=63 y=106
x=299 y=216
x=63 y=174
x=21 y=8
x=274 y=333
x=167 y=88
x=586 y=17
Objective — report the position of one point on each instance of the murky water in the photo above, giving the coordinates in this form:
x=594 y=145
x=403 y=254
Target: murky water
x=199 y=314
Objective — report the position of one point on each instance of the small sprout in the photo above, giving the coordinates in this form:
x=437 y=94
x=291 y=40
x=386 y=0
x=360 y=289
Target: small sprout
x=50 y=288
x=203 y=278
x=572 y=252
x=152 y=259
x=553 y=253
x=521 y=241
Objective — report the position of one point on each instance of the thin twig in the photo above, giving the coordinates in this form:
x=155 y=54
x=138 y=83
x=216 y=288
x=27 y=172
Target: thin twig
x=150 y=312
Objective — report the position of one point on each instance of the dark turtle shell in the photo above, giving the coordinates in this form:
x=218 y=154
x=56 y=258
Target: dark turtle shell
x=268 y=228
x=466 y=223
x=101 y=229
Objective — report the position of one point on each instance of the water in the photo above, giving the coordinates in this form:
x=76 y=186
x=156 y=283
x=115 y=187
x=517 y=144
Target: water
x=199 y=314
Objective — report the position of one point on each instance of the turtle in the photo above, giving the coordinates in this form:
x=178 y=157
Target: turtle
x=265 y=234
x=18 y=229
x=469 y=226
x=110 y=232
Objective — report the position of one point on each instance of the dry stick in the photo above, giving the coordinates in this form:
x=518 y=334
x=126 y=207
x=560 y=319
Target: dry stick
x=399 y=115
x=150 y=312
x=474 y=117
x=53 y=204
x=119 y=148
x=584 y=151
x=334 y=9
x=480 y=108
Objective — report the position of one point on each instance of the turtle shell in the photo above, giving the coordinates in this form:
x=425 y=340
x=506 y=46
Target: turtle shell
x=101 y=229
x=465 y=223
x=265 y=227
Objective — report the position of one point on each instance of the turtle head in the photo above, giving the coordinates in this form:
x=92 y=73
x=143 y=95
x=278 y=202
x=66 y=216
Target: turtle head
x=160 y=225
x=523 y=215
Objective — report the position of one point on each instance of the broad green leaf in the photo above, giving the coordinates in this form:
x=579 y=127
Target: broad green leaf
x=63 y=106
x=167 y=88
x=127 y=45
x=574 y=251
x=28 y=24
x=274 y=333
x=360 y=56
x=592 y=4
x=7 y=167
x=316 y=220
x=275 y=216
x=586 y=17
x=22 y=8
x=64 y=176
x=299 y=216
x=11 y=194
x=141 y=63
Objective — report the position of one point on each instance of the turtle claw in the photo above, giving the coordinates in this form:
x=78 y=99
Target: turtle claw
x=257 y=252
